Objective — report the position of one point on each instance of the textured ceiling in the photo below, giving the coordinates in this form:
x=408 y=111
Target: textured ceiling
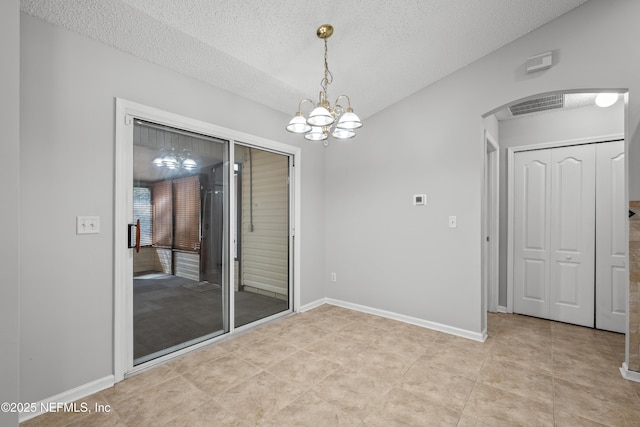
x=267 y=51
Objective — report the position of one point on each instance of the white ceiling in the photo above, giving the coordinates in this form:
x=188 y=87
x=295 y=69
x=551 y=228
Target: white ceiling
x=267 y=51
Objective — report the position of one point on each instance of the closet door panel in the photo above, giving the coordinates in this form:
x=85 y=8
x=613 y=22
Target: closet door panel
x=572 y=230
x=531 y=234
x=611 y=240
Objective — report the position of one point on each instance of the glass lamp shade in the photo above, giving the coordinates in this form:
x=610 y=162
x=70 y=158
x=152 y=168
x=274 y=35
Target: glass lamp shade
x=298 y=124
x=349 y=120
x=157 y=161
x=341 y=133
x=170 y=161
x=189 y=164
x=316 y=134
x=320 y=116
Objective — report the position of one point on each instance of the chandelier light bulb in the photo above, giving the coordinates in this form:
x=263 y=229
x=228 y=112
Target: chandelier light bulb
x=341 y=133
x=316 y=134
x=349 y=120
x=320 y=116
x=298 y=124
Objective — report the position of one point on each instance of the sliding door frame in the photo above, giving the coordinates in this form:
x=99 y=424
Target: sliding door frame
x=126 y=111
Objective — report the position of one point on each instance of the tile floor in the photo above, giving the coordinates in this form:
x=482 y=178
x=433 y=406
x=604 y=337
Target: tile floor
x=335 y=367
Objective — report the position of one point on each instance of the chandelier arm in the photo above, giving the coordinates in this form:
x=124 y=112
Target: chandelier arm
x=302 y=101
x=348 y=102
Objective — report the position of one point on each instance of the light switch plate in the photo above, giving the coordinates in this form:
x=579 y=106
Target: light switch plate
x=87 y=224
x=453 y=222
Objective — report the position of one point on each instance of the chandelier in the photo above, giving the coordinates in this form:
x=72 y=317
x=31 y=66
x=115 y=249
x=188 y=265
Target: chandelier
x=325 y=119
x=174 y=159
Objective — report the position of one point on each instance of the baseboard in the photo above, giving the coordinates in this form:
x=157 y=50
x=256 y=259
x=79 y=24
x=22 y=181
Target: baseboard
x=68 y=396
x=629 y=375
x=312 y=305
x=502 y=309
x=452 y=330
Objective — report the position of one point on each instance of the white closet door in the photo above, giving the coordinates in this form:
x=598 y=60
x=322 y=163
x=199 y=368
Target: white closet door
x=611 y=245
x=573 y=235
x=532 y=208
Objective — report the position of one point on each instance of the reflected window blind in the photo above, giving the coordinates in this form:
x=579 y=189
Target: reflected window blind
x=162 y=213
x=187 y=213
x=142 y=211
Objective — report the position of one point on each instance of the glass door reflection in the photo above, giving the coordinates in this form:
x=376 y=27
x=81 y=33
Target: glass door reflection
x=180 y=281
x=262 y=241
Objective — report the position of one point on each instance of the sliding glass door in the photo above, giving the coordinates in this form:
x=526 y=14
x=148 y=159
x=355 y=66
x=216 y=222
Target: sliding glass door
x=262 y=237
x=180 y=214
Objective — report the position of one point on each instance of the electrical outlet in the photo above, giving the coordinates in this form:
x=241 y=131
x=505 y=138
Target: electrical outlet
x=453 y=222
x=334 y=278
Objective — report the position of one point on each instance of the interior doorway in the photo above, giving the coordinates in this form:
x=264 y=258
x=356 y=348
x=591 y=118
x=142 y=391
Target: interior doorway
x=543 y=120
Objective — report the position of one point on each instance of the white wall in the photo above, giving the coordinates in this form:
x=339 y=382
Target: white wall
x=391 y=255
x=556 y=126
x=10 y=212
x=68 y=85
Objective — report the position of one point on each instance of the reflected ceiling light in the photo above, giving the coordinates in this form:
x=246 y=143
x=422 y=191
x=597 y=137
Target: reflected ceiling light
x=605 y=99
x=326 y=119
x=171 y=159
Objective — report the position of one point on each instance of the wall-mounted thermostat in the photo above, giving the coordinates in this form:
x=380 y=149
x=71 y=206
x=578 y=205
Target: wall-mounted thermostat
x=419 y=199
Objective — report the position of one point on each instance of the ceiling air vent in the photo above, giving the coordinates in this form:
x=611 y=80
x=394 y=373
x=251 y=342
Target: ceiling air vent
x=550 y=102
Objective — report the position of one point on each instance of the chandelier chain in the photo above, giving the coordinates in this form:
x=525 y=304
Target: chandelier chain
x=328 y=77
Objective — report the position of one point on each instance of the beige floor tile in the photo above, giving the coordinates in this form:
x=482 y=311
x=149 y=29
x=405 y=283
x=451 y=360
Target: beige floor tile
x=301 y=335
x=197 y=358
x=362 y=332
x=564 y=419
x=329 y=324
x=388 y=366
x=243 y=340
x=137 y=385
x=266 y=352
x=164 y=401
x=526 y=357
x=217 y=376
x=437 y=385
x=260 y=397
x=400 y=343
x=402 y=408
x=523 y=337
x=311 y=411
x=523 y=382
x=463 y=345
x=336 y=348
x=502 y=408
x=206 y=415
x=423 y=336
x=352 y=391
x=455 y=361
x=596 y=404
x=304 y=368
x=598 y=373
x=471 y=422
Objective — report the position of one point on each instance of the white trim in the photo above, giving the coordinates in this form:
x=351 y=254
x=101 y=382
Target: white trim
x=314 y=304
x=502 y=309
x=68 y=396
x=123 y=322
x=628 y=374
x=491 y=222
x=452 y=330
x=511 y=151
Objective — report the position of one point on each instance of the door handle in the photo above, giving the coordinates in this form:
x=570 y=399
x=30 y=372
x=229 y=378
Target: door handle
x=130 y=234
